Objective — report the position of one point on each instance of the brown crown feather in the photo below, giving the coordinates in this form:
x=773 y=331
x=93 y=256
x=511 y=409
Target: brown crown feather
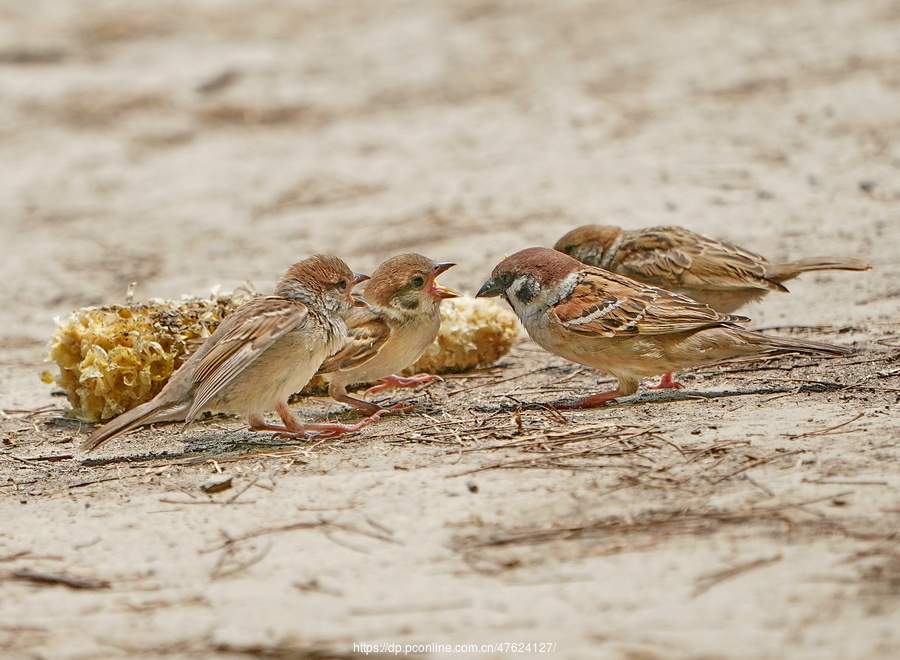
x=602 y=235
x=315 y=273
x=395 y=274
x=548 y=267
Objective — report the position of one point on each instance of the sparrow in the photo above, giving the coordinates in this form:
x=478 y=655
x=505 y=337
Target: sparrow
x=401 y=321
x=266 y=350
x=723 y=276
x=621 y=326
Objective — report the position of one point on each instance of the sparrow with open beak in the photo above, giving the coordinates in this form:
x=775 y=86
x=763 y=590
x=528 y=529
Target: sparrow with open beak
x=618 y=325
x=723 y=276
x=262 y=353
x=401 y=321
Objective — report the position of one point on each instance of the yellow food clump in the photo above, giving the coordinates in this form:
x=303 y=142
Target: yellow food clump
x=475 y=332
x=112 y=359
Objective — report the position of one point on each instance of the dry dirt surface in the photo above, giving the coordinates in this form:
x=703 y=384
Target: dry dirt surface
x=186 y=145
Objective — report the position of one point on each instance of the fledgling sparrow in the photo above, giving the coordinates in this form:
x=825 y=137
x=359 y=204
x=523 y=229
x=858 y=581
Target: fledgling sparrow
x=401 y=321
x=266 y=350
x=618 y=325
x=723 y=276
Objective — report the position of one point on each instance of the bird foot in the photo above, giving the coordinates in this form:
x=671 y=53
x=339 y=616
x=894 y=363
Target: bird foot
x=589 y=401
x=368 y=409
x=319 y=431
x=332 y=430
x=402 y=381
x=400 y=408
x=667 y=382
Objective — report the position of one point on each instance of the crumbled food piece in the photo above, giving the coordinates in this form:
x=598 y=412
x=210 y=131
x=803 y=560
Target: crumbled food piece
x=474 y=333
x=113 y=358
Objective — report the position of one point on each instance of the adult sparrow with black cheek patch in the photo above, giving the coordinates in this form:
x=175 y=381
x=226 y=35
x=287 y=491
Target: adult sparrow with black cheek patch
x=401 y=321
x=623 y=327
x=262 y=353
x=723 y=276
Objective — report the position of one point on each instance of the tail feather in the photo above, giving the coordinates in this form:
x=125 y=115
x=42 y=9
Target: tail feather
x=791 y=269
x=775 y=345
x=146 y=413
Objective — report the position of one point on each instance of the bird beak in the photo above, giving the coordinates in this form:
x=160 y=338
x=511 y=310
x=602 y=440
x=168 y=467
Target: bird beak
x=491 y=288
x=439 y=291
x=355 y=298
x=442 y=266
x=444 y=292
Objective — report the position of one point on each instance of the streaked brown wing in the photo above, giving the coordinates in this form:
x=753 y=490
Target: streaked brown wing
x=367 y=335
x=239 y=340
x=608 y=305
x=678 y=256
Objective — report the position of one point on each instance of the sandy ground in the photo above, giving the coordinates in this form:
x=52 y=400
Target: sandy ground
x=184 y=145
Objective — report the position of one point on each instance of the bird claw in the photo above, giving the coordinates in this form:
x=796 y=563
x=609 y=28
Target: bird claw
x=401 y=381
x=666 y=382
x=332 y=430
x=593 y=401
x=400 y=408
x=320 y=431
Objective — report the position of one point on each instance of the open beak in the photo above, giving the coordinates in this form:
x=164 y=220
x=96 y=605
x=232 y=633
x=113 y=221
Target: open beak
x=439 y=291
x=355 y=298
x=490 y=289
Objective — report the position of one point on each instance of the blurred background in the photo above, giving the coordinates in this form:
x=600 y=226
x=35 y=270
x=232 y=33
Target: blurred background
x=188 y=144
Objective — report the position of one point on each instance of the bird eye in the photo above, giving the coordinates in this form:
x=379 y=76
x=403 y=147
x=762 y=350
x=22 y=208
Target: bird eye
x=568 y=249
x=342 y=285
x=418 y=281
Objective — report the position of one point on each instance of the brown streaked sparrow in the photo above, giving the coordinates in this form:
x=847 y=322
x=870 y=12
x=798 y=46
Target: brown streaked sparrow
x=401 y=321
x=723 y=276
x=618 y=325
x=265 y=351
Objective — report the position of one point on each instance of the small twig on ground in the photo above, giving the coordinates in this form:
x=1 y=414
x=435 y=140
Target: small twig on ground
x=492 y=382
x=26 y=461
x=757 y=463
x=36 y=411
x=250 y=484
x=826 y=431
x=759 y=485
x=221 y=570
x=717 y=446
x=354 y=530
x=97 y=481
x=712 y=579
x=15 y=555
x=315 y=585
x=847 y=482
x=60 y=578
x=16 y=484
x=264 y=532
x=58 y=457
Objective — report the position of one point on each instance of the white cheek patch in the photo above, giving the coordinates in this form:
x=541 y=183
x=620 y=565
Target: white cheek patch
x=527 y=297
